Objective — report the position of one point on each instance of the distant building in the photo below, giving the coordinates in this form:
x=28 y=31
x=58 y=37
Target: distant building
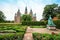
x=26 y=10
x=34 y=17
x=17 y=18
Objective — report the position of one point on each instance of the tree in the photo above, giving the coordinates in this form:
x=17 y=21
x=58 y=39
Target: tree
x=58 y=9
x=26 y=17
x=58 y=12
x=49 y=10
x=2 y=17
x=58 y=16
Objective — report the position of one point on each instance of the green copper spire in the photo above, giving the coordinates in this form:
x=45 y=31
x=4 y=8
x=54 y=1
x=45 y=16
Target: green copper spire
x=50 y=22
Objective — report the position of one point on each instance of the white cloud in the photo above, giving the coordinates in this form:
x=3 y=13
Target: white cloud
x=37 y=8
x=9 y=11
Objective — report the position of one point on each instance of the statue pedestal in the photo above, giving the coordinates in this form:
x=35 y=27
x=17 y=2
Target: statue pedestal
x=51 y=27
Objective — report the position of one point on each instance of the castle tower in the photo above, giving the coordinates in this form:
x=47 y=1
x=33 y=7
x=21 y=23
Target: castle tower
x=18 y=17
x=34 y=17
x=31 y=13
x=15 y=20
x=25 y=10
x=18 y=12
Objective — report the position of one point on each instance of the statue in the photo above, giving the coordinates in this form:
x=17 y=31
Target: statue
x=50 y=24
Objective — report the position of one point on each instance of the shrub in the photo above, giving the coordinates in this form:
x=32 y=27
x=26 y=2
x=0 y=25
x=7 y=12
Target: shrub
x=57 y=23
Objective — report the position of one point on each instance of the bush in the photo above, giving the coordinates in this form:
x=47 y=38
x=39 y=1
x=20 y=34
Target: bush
x=38 y=36
x=57 y=23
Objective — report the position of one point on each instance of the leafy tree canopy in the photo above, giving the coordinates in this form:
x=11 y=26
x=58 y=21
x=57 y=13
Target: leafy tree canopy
x=2 y=17
x=26 y=17
x=49 y=10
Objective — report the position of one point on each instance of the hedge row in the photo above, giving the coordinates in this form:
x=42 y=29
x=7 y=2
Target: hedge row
x=12 y=31
x=38 y=36
x=35 y=23
x=44 y=23
x=6 y=21
x=12 y=28
x=12 y=36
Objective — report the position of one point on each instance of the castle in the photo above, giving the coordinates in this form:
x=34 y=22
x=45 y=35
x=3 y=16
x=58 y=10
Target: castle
x=17 y=18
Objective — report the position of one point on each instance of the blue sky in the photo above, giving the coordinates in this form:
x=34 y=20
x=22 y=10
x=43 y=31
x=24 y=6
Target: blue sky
x=10 y=7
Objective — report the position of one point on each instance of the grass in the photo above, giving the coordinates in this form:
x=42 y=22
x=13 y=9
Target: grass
x=38 y=26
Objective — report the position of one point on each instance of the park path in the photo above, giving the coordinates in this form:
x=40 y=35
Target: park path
x=28 y=35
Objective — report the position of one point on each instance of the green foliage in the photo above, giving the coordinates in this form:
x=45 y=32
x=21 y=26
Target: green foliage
x=11 y=28
x=26 y=18
x=38 y=36
x=2 y=17
x=57 y=23
x=12 y=31
x=41 y=23
x=58 y=16
x=12 y=36
x=58 y=9
x=49 y=10
x=35 y=23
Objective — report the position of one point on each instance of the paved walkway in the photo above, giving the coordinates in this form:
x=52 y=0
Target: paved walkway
x=44 y=30
x=28 y=34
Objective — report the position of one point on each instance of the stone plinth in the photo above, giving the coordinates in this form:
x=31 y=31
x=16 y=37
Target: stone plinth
x=51 y=27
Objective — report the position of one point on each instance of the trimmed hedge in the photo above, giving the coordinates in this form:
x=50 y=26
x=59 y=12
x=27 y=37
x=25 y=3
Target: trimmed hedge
x=12 y=28
x=38 y=36
x=35 y=23
x=12 y=36
x=6 y=21
x=44 y=23
x=12 y=31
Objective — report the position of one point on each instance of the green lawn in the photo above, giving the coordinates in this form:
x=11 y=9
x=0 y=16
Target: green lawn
x=38 y=26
